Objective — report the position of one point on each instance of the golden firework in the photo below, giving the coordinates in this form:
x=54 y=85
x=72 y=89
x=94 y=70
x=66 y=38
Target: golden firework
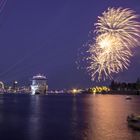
x=117 y=32
x=107 y=56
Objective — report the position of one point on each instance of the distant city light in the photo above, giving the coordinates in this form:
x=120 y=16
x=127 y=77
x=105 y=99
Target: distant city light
x=74 y=91
x=15 y=82
x=100 y=89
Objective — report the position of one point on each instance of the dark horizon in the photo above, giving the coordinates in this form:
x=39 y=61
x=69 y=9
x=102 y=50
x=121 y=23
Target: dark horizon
x=39 y=36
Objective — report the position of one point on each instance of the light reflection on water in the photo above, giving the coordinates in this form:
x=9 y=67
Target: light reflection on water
x=88 y=117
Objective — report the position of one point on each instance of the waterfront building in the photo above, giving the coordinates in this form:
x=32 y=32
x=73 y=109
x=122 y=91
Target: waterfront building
x=15 y=87
x=1 y=87
x=39 y=85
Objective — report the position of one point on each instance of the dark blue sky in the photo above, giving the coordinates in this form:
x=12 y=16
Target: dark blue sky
x=43 y=36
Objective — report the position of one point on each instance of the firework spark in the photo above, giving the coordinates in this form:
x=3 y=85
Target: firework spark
x=117 y=33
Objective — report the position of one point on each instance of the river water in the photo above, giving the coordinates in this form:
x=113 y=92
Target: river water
x=62 y=117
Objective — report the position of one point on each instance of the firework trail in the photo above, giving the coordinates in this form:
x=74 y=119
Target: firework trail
x=118 y=31
x=2 y=4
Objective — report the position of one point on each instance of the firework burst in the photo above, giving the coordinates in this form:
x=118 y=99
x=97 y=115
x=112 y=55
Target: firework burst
x=120 y=22
x=107 y=56
x=117 y=33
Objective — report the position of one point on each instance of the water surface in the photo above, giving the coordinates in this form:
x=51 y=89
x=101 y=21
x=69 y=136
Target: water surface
x=61 y=117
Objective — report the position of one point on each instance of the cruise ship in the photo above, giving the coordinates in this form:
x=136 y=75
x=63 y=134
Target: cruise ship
x=39 y=84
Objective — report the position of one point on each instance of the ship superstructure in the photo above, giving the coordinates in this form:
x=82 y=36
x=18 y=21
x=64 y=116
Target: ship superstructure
x=39 y=84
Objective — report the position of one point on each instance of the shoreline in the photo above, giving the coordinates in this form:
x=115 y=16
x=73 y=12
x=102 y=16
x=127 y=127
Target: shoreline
x=84 y=93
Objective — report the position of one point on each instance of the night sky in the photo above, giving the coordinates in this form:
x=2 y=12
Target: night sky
x=43 y=36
